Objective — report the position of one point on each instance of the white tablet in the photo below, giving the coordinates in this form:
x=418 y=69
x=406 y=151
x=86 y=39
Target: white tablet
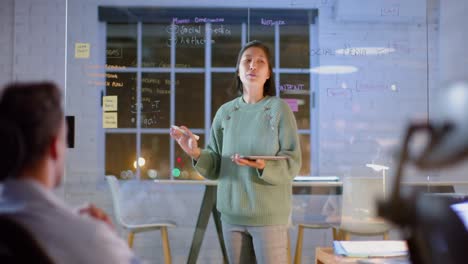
x=264 y=157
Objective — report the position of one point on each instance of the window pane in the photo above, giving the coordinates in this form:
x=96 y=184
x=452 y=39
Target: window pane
x=123 y=85
x=156 y=46
x=222 y=90
x=190 y=100
x=265 y=34
x=305 y=150
x=262 y=27
x=155 y=151
x=226 y=44
x=189 y=27
x=190 y=44
x=120 y=155
x=294 y=46
x=295 y=89
x=121 y=45
x=155 y=100
x=183 y=169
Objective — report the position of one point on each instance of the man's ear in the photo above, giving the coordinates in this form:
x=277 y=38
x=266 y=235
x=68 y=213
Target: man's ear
x=54 y=147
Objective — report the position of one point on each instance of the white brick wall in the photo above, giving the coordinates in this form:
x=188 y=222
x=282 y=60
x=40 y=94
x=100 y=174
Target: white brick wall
x=453 y=35
x=38 y=40
x=6 y=41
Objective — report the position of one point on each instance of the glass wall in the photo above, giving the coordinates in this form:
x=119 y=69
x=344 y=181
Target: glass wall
x=354 y=73
x=173 y=66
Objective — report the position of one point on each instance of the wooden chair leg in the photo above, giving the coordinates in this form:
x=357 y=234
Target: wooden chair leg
x=345 y=235
x=300 y=237
x=130 y=239
x=336 y=234
x=165 y=244
x=386 y=235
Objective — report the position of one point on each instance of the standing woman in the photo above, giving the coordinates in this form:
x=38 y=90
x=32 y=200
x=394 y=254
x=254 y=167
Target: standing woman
x=254 y=196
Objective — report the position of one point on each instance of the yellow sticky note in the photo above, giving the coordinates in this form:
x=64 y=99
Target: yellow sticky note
x=109 y=120
x=109 y=103
x=82 y=50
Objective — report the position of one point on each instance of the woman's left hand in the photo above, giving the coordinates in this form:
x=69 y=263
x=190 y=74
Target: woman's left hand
x=257 y=164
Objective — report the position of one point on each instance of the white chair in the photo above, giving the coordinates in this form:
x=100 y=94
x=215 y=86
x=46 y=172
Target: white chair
x=323 y=221
x=138 y=228
x=359 y=208
x=300 y=237
x=358 y=213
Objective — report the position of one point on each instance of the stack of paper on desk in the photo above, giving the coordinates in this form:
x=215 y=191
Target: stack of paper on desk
x=386 y=248
x=397 y=260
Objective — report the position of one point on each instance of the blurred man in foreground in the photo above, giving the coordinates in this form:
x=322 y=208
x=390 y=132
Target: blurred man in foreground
x=32 y=157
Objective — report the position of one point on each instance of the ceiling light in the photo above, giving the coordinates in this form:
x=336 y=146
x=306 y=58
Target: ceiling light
x=334 y=69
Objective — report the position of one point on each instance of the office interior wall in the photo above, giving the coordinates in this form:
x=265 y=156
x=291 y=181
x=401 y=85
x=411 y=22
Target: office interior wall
x=362 y=115
x=6 y=41
x=453 y=40
x=453 y=65
x=34 y=39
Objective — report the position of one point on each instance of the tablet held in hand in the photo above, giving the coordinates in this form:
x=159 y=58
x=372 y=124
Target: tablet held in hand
x=253 y=157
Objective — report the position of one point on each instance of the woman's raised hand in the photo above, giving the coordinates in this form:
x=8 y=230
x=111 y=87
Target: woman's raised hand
x=186 y=140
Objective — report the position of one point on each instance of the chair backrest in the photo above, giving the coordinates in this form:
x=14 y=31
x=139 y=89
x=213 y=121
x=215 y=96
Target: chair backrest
x=359 y=205
x=115 y=193
x=18 y=245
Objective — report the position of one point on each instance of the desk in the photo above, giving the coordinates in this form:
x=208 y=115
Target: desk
x=207 y=208
x=326 y=256
x=208 y=205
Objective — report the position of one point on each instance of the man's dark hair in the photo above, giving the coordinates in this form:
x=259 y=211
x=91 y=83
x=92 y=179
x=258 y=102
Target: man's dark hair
x=31 y=115
x=269 y=86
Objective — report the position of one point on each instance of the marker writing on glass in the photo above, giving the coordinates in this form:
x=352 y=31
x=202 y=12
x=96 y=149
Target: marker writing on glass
x=184 y=132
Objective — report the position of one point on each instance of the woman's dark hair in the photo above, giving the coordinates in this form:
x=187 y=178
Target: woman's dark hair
x=269 y=86
x=31 y=115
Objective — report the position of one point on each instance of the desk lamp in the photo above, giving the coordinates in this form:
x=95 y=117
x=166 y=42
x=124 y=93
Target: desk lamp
x=434 y=232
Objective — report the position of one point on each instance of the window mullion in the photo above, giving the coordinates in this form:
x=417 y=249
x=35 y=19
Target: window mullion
x=172 y=96
x=138 y=103
x=102 y=58
x=243 y=34
x=207 y=81
x=314 y=100
x=277 y=59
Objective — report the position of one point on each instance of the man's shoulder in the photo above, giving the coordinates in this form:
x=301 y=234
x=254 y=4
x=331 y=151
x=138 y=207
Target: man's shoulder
x=82 y=237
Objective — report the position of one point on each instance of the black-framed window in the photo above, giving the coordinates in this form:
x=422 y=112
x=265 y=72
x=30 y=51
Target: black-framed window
x=177 y=66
